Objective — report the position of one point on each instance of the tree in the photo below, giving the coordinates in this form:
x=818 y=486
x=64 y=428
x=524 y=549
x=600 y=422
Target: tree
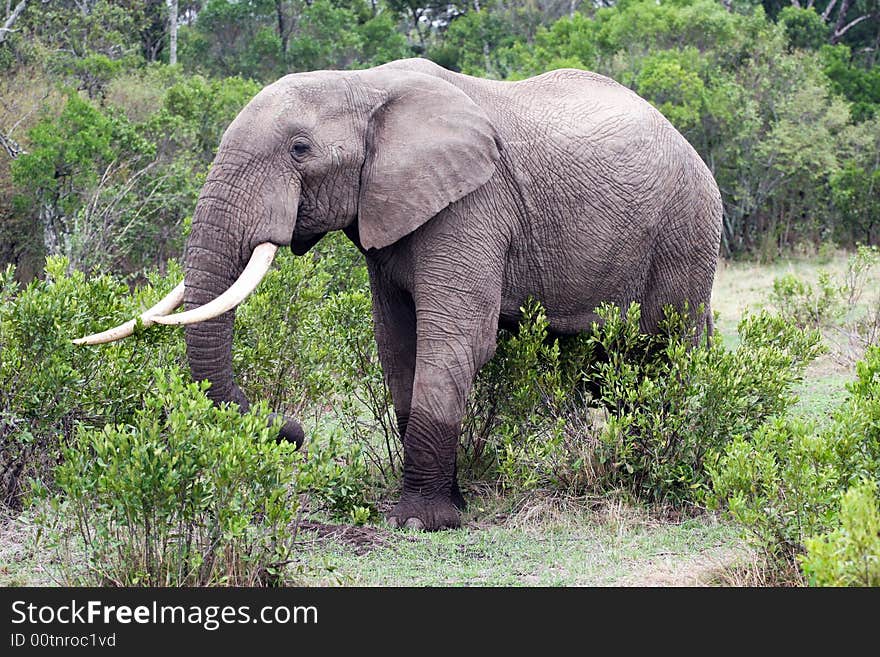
x=856 y=184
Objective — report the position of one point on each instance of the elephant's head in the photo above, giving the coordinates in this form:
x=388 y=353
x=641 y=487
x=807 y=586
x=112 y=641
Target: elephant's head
x=382 y=150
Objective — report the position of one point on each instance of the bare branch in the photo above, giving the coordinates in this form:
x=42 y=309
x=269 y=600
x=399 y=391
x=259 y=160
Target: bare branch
x=11 y=146
x=843 y=30
x=827 y=13
x=10 y=21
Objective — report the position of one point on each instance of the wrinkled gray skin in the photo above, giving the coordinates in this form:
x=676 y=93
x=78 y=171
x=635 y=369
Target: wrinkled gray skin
x=466 y=196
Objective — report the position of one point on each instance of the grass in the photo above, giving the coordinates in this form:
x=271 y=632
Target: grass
x=745 y=286
x=539 y=545
x=536 y=541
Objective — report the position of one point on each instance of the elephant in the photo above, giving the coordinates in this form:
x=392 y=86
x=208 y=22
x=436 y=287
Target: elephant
x=466 y=197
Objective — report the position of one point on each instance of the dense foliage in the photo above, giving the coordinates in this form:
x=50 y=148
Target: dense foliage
x=616 y=410
x=850 y=554
x=165 y=488
x=805 y=491
x=187 y=494
x=105 y=144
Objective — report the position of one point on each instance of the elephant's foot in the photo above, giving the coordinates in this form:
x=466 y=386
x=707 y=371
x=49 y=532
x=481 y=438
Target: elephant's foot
x=291 y=430
x=425 y=514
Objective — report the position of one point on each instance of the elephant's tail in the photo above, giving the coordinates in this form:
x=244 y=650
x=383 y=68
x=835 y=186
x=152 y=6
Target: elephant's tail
x=710 y=327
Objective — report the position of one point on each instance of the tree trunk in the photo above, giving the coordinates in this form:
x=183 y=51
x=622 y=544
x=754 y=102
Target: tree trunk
x=172 y=32
x=417 y=14
x=283 y=32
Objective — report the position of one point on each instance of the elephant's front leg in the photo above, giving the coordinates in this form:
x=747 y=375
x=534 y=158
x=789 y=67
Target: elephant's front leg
x=453 y=342
x=394 y=324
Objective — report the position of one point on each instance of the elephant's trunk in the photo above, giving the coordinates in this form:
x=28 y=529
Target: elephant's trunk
x=212 y=264
x=218 y=251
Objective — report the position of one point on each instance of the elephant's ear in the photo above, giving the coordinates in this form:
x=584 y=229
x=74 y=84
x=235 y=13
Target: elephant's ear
x=427 y=145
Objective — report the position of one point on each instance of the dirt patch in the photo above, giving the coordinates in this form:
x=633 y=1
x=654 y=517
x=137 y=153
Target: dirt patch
x=361 y=539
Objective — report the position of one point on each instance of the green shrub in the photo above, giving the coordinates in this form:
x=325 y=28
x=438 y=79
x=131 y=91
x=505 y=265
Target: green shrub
x=187 y=494
x=273 y=347
x=781 y=485
x=670 y=413
x=804 y=304
x=835 y=305
x=661 y=407
x=850 y=554
x=513 y=429
x=143 y=474
x=784 y=483
x=337 y=479
x=48 y=385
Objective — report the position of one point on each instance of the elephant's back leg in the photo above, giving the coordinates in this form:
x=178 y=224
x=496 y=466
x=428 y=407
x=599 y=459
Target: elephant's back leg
x=682 y=269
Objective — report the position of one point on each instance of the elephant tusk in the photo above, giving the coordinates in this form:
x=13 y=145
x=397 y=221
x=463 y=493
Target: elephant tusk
x=168 y=303
x=258 y=265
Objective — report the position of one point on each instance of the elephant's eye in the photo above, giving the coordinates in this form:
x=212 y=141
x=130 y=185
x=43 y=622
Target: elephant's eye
x=299 y=149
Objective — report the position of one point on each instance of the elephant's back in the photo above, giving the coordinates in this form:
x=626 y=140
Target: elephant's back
x=573 y=106
x=575 y=141
x=607 y=186
x=559 y=106
x=573 y=127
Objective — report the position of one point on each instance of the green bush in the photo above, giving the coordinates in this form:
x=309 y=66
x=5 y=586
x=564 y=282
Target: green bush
x=336 y=477
x=784 y=483
x=850 y=554
x=274 y=347
x=804 y=28
x=804 y=304
x=163 y=487
x=48 y=385
x=513 y=429
x=781 y=485
x=346 y=369
x=661 y=407
x=187 y=494
x=671 y=413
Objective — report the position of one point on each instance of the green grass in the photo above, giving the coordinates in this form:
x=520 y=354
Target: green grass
x=574 y=547
x=823 y=390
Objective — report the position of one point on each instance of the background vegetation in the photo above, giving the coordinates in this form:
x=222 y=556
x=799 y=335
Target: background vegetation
x=131 y=478
x=106 y=144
